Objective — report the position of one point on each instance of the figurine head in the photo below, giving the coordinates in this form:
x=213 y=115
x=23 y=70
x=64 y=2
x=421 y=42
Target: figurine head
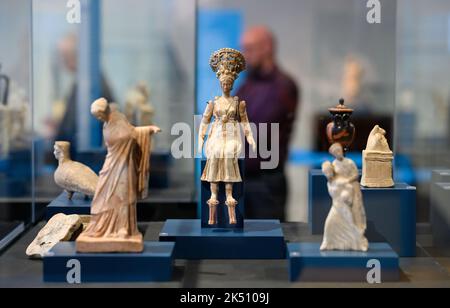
x=227 y=63
x=61 y=150
x=337 y=151
x=100 y=109
x=226 y=83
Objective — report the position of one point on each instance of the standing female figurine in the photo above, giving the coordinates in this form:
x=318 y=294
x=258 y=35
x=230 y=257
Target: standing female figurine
x=122 y=181
x=224 y=144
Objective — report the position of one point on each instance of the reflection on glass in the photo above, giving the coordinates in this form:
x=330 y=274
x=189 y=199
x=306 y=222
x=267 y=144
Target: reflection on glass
x=141 y=53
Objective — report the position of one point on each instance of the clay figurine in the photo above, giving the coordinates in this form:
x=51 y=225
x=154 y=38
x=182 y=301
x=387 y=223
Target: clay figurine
x=346 y=222
x=73 y=176
x=377 y=161
x=138 y=109
x=224 y=144
x=59 y=228
x=123 y=180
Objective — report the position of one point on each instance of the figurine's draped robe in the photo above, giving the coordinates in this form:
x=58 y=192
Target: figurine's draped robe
x=123 y=179
x=224 y=143
x=346 y=223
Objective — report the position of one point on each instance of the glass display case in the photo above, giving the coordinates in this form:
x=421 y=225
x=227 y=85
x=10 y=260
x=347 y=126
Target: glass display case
x=150 y=60
x=16 y=189
x=140 y=58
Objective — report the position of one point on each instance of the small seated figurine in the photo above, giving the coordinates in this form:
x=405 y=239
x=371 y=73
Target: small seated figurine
x=73 y=176
x=377 y=161
x=346 y=223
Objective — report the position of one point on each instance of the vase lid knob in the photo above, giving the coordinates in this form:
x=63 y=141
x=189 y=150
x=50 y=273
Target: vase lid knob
x=341 y=108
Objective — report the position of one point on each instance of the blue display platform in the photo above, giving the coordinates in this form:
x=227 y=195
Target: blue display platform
x=308 y=263
x=78 y=205
x=440 y=212
x=153 y=265
x=391 y=213
x=222 y=209
x=260 y=239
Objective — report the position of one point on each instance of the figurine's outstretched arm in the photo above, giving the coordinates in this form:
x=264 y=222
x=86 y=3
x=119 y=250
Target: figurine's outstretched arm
x=207 y=115
x=245 y=123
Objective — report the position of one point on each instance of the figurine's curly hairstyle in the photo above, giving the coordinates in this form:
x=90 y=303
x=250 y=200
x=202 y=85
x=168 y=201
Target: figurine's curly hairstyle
x=227 y=61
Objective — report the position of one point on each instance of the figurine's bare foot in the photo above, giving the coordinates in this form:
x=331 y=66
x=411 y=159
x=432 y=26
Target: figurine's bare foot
x=231 y=203
x=70 y=195
x=212 y=203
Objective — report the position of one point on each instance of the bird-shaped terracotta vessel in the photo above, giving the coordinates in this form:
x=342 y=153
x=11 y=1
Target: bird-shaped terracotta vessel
x=73 y=176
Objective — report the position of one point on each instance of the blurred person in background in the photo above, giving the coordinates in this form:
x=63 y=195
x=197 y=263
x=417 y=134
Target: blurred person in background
x=272 y=97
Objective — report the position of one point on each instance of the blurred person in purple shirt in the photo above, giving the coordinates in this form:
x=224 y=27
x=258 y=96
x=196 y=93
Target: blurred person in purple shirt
x=272 y=97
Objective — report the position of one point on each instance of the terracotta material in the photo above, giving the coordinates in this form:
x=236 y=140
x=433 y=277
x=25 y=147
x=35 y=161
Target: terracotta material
x=224 y=144
x=123 y=180
x=346 y=223
x=59 y=228
x=377 y=161
x=73 y=176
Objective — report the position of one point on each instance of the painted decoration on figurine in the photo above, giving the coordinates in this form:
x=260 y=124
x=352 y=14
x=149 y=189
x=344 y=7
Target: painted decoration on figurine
x=377 y=161
x=346 y=222
x=123 y=180
x=224 y=144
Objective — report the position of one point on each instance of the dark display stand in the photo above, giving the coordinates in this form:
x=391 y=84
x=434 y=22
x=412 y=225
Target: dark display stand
x=248 y=239
x=440 y=210
x=153 y=265
x=78 y=205
x=259 y=239
x=391 y=213
x=308 y=263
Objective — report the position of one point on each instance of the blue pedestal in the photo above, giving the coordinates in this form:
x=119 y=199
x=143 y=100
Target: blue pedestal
x=391 y=213
x=308 y=263
x=260 y=239
x=154 y=264
x=78 y=205
x=222 y=209
x=440 y=216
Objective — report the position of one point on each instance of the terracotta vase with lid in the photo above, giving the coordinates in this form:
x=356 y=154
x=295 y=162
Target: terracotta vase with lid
x=340 y=129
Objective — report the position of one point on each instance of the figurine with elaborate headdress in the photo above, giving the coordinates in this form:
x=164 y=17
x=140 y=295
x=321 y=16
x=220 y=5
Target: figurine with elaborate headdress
x=224 y=144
